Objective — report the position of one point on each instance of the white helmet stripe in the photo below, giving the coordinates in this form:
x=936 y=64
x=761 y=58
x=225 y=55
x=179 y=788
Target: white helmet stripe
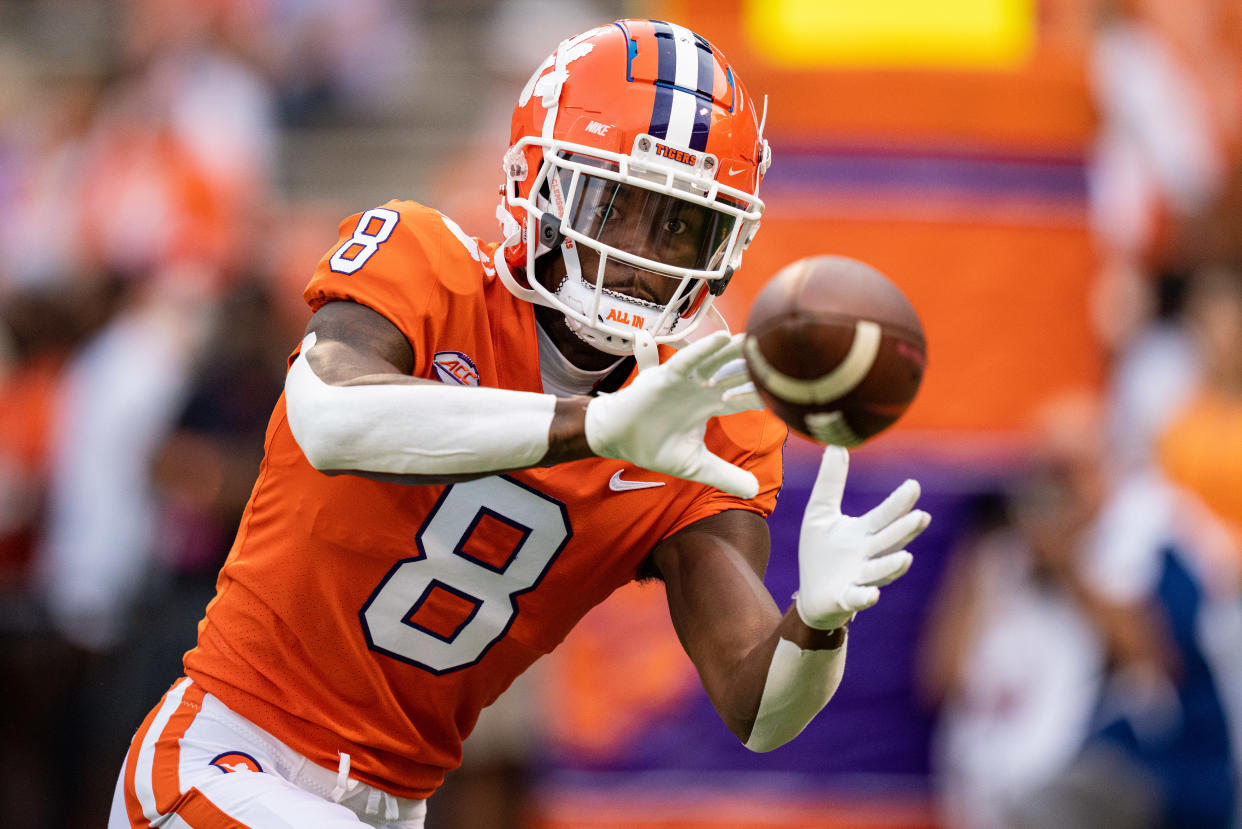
x=681 y=119
x=685 y=76
x=686 y=72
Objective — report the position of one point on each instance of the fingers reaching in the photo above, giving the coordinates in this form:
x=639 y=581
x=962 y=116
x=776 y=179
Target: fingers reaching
x=728 y=352
x=730 y=374
x=843 y=561
x=900 y=501
x=741 y=398
x=861 y=597
x=830 y=483
x=885 y=570
x=899 y=533
x=696 y=355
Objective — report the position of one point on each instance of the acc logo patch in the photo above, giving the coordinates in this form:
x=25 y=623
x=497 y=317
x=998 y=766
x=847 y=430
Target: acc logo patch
x=455 y=367
x=231 y=761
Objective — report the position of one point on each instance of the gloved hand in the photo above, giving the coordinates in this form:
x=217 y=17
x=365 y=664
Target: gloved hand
x=658 y=421
x=844 y=561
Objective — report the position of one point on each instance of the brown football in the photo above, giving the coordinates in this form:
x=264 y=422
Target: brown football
x=835 y=349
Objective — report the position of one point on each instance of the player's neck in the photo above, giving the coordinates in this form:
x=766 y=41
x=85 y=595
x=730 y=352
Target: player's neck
x=550 y=270
x=571 y=347
x=560 y=376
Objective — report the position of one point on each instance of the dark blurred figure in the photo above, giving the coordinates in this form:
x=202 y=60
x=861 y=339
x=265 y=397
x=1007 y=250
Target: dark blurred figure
x=206 y=467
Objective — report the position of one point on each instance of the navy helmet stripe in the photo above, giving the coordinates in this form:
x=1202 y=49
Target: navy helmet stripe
x=685 y=96
x=703 y=106
x=707 y=67
x=666 y=73
x=662 y=112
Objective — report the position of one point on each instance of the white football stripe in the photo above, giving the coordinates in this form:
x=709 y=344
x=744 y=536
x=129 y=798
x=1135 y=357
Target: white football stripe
x=830 y=427
x=841 y=380
x=144 y=767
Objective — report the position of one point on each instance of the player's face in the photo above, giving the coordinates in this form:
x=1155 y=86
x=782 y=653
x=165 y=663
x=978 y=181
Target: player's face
x=648 y=224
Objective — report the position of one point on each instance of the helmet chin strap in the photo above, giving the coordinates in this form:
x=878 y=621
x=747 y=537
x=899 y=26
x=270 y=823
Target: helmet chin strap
x=645 y=351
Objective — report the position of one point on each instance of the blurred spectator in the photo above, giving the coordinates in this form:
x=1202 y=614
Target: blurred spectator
x=1153 y=377
x=1164 y=78
x=40 y=747
x=1010 y=655
x=203 y=470
x=95 y=551
x=1168 y=133
x=188 y=136
x=1161 y=582
x=160 y=171
x=1156 y=153
x=1202 y=446
x=117 y=401
x=1086 y=651
x=40 y=326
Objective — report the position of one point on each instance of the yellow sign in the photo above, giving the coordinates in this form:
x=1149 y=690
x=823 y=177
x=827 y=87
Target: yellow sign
x=883 y=34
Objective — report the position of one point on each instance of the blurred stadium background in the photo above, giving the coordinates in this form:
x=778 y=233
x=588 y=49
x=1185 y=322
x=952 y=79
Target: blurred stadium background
x=1054 y=183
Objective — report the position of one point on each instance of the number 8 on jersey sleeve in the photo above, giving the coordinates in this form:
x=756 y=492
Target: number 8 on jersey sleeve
x=374 y=227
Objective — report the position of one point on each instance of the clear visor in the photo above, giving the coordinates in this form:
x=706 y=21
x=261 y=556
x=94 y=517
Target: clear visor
x=656 y=226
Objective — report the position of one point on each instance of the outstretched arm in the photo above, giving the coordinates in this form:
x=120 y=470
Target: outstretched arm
x=766 y=673
x=727 y=620
x=353 y=407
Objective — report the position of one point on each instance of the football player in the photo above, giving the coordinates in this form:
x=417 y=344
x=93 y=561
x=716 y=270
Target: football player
x=478 y=443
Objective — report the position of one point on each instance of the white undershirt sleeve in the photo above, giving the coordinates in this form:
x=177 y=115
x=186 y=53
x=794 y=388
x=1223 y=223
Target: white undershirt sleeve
x=799 y=685
x=419 y=429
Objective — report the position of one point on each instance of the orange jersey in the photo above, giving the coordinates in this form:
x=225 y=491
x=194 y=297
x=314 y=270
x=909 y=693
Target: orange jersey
x=377 y=619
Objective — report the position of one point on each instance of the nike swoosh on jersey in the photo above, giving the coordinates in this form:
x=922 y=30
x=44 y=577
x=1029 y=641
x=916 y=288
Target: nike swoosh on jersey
x=616 y=484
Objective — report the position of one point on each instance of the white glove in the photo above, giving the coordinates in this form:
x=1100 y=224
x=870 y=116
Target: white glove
x=843 y=561
x=658 y=421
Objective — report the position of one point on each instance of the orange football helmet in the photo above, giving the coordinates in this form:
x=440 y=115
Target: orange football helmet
x=637 y=153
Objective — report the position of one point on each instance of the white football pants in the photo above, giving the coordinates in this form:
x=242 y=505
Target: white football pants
x=194 y=763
